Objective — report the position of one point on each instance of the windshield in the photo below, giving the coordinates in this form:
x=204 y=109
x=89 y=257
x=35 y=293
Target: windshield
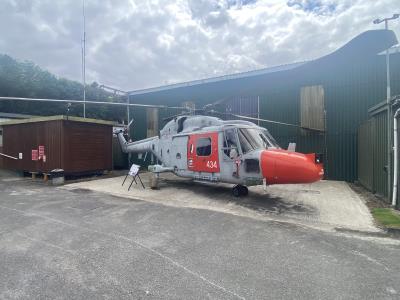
x=272 y=142
x=252 y=139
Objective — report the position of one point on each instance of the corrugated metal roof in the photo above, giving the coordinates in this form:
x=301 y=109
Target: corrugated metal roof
x=54 y=118
x=15 y=116
x=219 y=78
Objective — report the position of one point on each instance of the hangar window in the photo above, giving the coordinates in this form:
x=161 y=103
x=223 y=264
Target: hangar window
x=203 y=147
x=312 y=107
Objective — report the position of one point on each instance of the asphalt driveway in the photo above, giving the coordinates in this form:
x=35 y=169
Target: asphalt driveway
x=81 y=244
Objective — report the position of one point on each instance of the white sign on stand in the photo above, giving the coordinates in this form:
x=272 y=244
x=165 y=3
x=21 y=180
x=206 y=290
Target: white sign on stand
x=134 y=170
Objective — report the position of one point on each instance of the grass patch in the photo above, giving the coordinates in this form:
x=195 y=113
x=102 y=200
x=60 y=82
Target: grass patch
x=387 y=217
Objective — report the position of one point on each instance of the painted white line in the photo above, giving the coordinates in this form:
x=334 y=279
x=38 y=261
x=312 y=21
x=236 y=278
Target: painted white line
x=47 y=244
x=117 y=236
x=370 y=259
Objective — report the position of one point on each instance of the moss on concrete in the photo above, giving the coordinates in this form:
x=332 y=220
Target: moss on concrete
x=387 y=217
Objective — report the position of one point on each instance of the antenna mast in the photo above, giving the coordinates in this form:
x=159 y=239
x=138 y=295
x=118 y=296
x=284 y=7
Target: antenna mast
x=84 y=59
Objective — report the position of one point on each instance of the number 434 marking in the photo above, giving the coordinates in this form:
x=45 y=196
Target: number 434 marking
x=212 y=164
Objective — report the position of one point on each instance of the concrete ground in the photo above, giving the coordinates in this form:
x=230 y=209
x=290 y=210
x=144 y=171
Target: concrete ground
x=57 y=243
x=325 y=204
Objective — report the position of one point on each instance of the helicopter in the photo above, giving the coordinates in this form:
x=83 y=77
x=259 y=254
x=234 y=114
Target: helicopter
x=208 y=148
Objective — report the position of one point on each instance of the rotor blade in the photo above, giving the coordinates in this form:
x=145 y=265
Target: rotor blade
x=167 y=119
x=89 y=102
x=274 y=122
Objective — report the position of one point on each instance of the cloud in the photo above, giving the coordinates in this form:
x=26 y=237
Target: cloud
x=315 y=6
x=138 y=44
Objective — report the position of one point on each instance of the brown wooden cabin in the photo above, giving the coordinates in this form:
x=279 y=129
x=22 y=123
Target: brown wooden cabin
x=76 y=145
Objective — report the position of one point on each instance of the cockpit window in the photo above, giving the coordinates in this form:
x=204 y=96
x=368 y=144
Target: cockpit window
x=252 y=139
x=230 y=143
x=272 y=142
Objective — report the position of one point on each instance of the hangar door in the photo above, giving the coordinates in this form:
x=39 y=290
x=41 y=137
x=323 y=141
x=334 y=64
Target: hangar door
x=152 y=121
x=372 y=154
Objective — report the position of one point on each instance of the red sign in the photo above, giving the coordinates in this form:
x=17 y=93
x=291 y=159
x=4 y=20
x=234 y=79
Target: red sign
x=34 y=154
x=41 y=152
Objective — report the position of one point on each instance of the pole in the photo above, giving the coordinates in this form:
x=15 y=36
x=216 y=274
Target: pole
x=128 y=121
x=127 y=112
x=258 y=110
x=389 y=108
x=396 y=159
x=325 y=144
x=84 y=59
x=389 y=119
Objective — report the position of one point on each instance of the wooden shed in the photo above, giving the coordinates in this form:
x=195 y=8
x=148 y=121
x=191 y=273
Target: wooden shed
x=76 y=145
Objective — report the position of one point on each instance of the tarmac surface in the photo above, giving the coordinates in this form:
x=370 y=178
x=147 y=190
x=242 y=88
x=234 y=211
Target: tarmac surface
x=324 y=204
x=57 y=243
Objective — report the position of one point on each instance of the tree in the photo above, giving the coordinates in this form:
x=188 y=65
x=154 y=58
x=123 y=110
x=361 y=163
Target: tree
x=26 y=79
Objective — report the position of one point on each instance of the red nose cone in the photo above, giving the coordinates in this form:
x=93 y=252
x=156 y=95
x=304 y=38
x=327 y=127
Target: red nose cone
x=281 y=166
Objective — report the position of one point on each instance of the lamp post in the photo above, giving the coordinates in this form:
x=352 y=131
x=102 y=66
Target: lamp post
x=388 y=96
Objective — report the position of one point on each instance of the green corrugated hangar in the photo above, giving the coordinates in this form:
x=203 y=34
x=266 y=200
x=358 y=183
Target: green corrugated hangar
x=333 y=94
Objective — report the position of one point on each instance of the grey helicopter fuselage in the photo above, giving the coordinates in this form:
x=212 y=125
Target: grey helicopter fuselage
x=210 y=149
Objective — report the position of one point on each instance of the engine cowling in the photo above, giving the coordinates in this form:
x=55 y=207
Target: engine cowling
x=281 y=167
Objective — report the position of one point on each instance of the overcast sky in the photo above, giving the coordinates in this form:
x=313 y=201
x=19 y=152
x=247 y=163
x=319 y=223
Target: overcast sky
x=134 y=44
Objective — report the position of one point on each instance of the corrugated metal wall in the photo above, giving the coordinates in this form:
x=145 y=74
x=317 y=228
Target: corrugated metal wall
x=120 y=159
x=372 y=152
x=349 y=91
x=244 y=106
x=366 y=140
x=380 y=154
x=1 y=158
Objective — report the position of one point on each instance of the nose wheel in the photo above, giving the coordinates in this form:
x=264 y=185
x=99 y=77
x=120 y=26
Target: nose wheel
x=240 y=190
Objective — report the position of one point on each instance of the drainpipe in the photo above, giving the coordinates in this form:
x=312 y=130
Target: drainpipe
x=396 y=158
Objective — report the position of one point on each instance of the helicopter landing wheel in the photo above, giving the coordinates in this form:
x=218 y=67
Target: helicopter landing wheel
x=244 y=190
x=240 y=190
